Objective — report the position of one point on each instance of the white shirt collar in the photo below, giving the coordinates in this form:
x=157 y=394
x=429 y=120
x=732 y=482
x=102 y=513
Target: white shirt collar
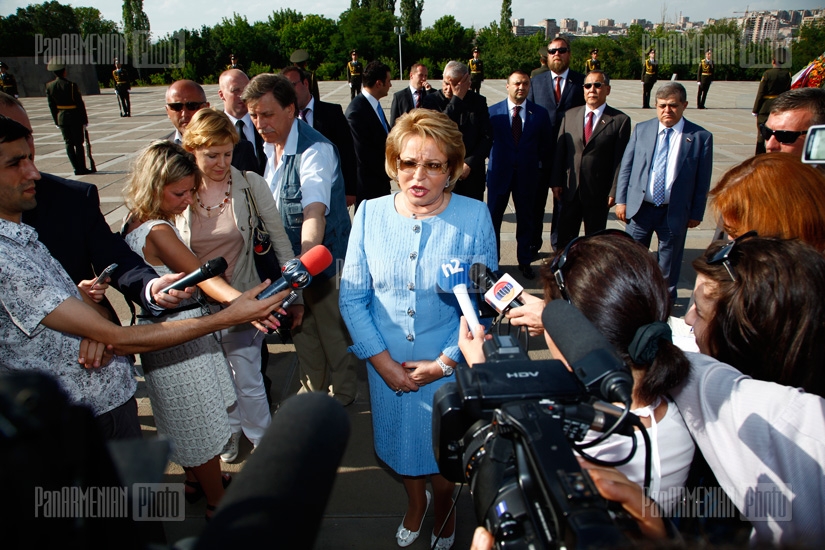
x=677 y=128
x=562 y=75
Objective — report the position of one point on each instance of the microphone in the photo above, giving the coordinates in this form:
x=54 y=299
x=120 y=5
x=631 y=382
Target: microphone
x=212 y=268
x=298 y=272
x=592 y=358
x=502 y=294
x=283 y=490
x=454 y=277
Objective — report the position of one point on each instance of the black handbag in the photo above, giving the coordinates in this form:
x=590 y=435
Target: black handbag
x=266 y=261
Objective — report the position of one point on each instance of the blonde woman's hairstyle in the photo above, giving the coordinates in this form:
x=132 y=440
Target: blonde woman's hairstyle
x=426 y=124
x=157 y=166
x=207 y=128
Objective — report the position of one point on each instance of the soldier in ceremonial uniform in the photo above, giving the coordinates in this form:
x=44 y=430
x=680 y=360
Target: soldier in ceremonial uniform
x=8 y=83
x=774 y=82
x=593 y=63
x=354 y=71
x=122 y=86
x=69 y=113
x=650 y=75
x=476 y=72
x=704 y=78
x=299 y=58
x=234 y=63
x=543 y=62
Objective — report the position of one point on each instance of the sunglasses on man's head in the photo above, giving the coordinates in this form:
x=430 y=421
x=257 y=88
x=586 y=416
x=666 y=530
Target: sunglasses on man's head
x=785 y=137
x=552 y=51
x=189 y=105
x=589 y=85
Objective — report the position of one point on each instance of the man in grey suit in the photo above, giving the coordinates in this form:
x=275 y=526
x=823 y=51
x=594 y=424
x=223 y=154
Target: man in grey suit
x=664 y=179
x=591 y=142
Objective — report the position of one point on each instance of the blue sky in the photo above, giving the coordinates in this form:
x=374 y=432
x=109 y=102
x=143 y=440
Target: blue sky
x=170 y=15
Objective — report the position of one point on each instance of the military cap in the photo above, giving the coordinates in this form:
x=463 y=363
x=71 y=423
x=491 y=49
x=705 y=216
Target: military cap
x=55 y=64
x=299 y=56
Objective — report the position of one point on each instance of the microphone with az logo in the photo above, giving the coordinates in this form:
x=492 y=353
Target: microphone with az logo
x=212 y=268
x=454 y=277
x=298 y=272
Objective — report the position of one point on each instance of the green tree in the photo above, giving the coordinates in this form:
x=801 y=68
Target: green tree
x=447 y=39
x=312 y=34
x=135 y=27
x=506 y=14
x=809 y=46
x=368 y=30
x=411 y=15
x=91 y=21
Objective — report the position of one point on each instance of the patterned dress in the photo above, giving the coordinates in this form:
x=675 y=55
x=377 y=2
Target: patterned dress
x=390 y=300
x=189 y=384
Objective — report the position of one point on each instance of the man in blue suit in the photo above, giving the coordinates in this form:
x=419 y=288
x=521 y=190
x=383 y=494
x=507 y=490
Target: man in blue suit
x=664 y=179
x=519 y=163
x=557 y=90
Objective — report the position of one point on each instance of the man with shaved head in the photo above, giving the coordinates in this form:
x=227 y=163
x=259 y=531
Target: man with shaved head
x=248 y=153
x=183 y=99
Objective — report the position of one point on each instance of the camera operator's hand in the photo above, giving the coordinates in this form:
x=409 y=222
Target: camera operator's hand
x=528 y=315
x=614 y=485
x=482 y=539
x=395 y=376
x=470 y=343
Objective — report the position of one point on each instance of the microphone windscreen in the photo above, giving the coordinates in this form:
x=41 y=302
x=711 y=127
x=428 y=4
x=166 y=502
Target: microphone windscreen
x=452 y=274
x=570 y=330
x=317 y=259
x=214 y=267
x=282 y=492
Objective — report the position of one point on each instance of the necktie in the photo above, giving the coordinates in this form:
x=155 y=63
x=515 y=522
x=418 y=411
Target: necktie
x=558 y=89
x=660 y=168
x=588 y=127
x=516 y=126
x=303 y=115
x=419 y=93
x=240 y=126
x=383 y=119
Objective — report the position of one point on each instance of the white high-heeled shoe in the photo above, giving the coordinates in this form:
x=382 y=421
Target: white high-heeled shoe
x=444 y=543
x=404 y=537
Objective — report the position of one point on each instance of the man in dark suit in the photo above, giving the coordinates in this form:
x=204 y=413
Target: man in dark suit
x=557 y=90
x=520 y=151
x=69 y=222
x=589 y=150
x=411 y=97
x=329 y=119
x=248 y=153
x=469 y=111
x=664 y=179
x=369 y=128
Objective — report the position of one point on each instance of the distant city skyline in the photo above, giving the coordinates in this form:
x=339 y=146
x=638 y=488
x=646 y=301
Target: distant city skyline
x=170 y=15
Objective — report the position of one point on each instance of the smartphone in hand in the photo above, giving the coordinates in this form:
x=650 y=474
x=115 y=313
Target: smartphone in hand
x=105 y=274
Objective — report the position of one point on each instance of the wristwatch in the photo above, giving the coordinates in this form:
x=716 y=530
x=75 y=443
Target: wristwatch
x=445 y=368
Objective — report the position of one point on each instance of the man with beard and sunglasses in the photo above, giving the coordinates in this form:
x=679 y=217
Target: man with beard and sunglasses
x=557 y=90
x=792 y=113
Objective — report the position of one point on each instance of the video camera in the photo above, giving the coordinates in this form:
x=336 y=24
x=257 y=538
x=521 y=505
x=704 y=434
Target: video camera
x=508 y=427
